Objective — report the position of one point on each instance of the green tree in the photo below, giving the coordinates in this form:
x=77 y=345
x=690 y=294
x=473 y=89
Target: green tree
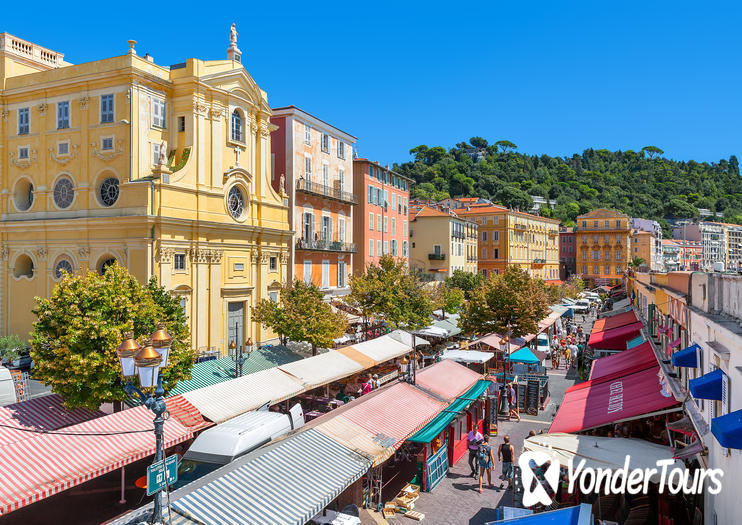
x=680 y=209
x=387 y=290
x=511 y=297
x=301 y=314
x=652 y=151
x=79 y=326
x=505 y=146
x=478 y=142
x=11 y=347
x=511 y=197
x=446 y=298
x=636 y=262
x=466 y=281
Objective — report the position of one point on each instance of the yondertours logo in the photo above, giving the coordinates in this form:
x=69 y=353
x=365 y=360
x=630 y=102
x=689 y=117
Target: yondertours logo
x=544 y=469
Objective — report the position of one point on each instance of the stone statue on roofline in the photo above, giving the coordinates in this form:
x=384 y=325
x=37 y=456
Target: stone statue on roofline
x=233 y=36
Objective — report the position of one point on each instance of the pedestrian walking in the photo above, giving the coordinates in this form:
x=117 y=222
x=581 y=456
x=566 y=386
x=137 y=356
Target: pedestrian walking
x=473 y=439
x=506 y=454
x=513 y=403
x=486 y=460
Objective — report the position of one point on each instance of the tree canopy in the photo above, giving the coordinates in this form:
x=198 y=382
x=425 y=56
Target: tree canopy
x=640 y=184
x=511 y=297
x=79 y=327
x=389 y=291
x=301 y=314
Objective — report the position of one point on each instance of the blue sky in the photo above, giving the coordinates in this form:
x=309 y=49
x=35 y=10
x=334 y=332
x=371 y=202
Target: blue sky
x=553 y=77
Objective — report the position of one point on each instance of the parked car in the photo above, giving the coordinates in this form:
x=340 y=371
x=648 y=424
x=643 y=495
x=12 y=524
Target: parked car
x=582 y=306
x=7 y=387
x=22 y=362
x=227 y=441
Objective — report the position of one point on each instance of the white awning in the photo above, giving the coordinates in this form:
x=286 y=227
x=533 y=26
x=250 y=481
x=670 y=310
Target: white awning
x=231 y=398
x=406 y=338
x=600 y=452
x=382 y=348
x=432 y=331
x=322 y=369
x=467 y=356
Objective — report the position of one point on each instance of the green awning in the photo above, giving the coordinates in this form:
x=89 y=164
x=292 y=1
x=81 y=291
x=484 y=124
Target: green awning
x=430 y=431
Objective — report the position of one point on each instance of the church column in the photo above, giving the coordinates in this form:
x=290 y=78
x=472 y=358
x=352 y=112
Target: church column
x=216 y=331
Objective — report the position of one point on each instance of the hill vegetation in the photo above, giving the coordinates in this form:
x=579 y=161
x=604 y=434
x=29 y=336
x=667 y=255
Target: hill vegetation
x=640 y=184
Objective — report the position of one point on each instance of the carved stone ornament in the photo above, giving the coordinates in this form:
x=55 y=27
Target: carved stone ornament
x=165 y=255
x=4 y=252
x=107 y=155
x=254 y=256
x=84 y=102
x=84 y=252
x=64 y=159
x=216 y=113
x=41 y=253
x=265 y=257
x=216 y=256
x=199 y=255
x=23 y=163
x=4 y=113
x=42 y=107
x=200 y=108
x=284 y=257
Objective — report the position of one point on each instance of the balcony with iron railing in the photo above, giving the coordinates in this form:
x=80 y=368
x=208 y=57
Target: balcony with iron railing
x=436 y=256
x=314 y=188
x=326 y=245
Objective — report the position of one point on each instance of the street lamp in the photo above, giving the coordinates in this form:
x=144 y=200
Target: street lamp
x=147 y=362
x=238 y=356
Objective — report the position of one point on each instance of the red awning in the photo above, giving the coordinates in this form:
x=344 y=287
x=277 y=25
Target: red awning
x=186 y=414
x=46 y=464
x=41 y=413
x=397 y=412
x=635 y=359
x=448 y=379
x=616 y=338
x=614 y=321
x=621 y=398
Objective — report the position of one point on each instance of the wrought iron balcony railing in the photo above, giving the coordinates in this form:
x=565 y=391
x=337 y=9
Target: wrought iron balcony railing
x=436 y=256
x=322 y=190
x=325 y=245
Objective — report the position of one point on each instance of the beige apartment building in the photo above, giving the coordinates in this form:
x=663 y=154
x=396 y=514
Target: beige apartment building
x=603 y=246
x=441 y=243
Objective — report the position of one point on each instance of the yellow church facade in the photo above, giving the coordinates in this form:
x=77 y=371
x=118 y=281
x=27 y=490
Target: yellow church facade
x=166 y=170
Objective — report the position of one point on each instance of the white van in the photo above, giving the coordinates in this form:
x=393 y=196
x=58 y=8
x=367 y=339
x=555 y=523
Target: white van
x=7 y=388
x=542 y=343
x=582 y=306
x=227 y=441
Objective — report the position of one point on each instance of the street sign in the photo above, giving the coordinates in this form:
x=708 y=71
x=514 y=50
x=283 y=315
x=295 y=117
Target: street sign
x=157 y=472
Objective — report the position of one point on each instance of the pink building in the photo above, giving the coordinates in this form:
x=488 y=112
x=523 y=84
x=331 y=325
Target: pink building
x=381 y=225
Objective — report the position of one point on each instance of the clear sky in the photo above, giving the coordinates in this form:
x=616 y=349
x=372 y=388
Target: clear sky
x=553 y=77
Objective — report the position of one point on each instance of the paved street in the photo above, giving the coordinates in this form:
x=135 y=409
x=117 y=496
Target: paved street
x=457 y=499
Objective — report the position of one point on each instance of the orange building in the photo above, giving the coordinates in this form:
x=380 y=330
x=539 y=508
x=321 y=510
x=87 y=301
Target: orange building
x=603 y=246
x=381 y=224
x=508 y=237
x=313 y=166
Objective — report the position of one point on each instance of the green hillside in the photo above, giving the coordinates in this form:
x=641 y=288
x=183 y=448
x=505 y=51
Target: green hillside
x=641 y=184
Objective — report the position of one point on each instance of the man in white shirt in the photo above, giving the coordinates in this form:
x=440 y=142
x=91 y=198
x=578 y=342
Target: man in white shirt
x=473 y=439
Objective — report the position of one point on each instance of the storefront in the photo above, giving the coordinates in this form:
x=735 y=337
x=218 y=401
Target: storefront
x=444 y=439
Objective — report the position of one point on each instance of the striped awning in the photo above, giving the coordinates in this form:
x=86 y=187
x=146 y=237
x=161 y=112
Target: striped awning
x=186 y=414
x=357 y=439
x=381 y=349
x=321 y=369
x=397 y=412
x=37 y=468
x=448 y=379
x=287 y=485
x=41 y=414
x=230 y=399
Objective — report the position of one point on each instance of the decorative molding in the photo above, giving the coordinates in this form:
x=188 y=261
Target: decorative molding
x=41 y=253
x=107 y=155
x=4 y=113
x=165 y=255
x=216 y=256
x=42 y=107
x=84 y=252
x=65 y=158
x=284 y=257
x=23 y=163
x=272 y=127
x=199 y=255
x=216 y=113
x=265 y=257
x=5 y=252
x=84 y=102
x=199 y=108
x=254 y=256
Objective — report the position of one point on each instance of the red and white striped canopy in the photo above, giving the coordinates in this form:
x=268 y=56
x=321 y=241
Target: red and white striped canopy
x=45 y=464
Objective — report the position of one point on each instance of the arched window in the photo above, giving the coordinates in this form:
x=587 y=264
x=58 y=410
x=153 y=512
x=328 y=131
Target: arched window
x=237 y=126
x=105 y=263
x=64 y=265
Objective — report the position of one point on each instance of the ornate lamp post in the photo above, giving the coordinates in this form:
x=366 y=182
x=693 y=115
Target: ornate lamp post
x=239 y=356
x=148 y=363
